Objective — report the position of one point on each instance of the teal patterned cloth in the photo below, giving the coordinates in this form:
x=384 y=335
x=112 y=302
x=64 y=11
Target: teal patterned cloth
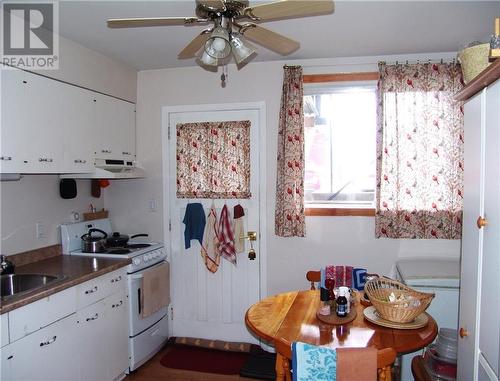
x=313 y=363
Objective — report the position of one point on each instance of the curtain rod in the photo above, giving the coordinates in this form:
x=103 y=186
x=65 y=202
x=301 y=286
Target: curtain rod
x=397 y=62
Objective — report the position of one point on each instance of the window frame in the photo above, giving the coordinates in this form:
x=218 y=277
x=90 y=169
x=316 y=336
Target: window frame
x=327 y=210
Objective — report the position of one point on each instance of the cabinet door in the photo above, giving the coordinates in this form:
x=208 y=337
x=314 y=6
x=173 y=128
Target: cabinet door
x=45 y=117
x=14 y=113
x=489 y=326
x=117 y=336
x=48 y=354
x=471 y=235
x=92 y=348
x=79 y=132
x=115 y=121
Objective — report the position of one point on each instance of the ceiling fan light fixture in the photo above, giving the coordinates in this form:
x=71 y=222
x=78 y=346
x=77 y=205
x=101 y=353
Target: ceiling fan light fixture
x=241 y=48
x=218 y=45
x=207 y=60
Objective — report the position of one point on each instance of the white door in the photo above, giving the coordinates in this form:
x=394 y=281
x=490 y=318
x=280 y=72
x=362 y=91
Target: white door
x=213 y=305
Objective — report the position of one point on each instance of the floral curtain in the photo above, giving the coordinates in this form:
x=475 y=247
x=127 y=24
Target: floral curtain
x=419 y=152
x=213 y=160
x=289 y=214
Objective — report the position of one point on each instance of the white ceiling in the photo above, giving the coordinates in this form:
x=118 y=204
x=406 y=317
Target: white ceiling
x=357 y=28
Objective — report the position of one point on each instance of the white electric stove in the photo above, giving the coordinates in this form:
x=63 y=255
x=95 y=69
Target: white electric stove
x=146 y=334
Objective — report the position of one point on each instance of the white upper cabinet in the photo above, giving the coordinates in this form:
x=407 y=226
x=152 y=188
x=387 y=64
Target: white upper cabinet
x=13 y=135
x=50 y=126
x=115 y=128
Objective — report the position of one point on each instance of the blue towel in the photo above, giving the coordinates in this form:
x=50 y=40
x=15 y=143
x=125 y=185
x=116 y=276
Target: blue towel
x=194 y=219
x=313 y=363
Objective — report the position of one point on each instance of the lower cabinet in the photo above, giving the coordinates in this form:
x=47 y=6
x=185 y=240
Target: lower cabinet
x=117 y=342
x=90 y=344
x=102 y=339
x=47 y=354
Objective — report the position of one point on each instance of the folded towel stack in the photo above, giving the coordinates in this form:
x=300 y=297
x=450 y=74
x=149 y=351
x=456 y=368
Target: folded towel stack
x=342 y=275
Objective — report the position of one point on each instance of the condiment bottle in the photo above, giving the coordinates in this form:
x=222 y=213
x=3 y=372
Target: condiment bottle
x=341 y=303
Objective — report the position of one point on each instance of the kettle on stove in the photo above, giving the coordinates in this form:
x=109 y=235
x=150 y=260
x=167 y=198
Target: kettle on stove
x=6 y=266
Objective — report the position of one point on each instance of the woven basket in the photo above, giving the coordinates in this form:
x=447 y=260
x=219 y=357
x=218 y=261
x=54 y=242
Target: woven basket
x=474 y=60
x=399 y=311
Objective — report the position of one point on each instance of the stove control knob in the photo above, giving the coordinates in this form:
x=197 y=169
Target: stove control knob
x=137 y=261
x=146 y=257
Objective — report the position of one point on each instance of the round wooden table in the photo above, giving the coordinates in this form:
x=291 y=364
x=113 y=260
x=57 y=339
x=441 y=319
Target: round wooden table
x=292 y=316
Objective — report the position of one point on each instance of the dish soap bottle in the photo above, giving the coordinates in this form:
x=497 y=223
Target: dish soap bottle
x=341 y=303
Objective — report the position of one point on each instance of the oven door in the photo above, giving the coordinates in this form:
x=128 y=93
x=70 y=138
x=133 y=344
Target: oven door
x=137 y=323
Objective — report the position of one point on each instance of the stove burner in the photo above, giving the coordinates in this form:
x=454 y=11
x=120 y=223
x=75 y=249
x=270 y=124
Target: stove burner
x=138 y=245
x=118 y=251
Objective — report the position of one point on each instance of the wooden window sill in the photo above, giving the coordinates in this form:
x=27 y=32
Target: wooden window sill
x=359 y=212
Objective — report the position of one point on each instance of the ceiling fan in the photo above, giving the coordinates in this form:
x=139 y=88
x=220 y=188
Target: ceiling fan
x=231 y=23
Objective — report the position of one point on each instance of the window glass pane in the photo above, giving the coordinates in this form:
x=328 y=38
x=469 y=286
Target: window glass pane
x=340 y=145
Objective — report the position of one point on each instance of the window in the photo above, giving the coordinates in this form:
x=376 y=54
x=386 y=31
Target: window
x=340 y=147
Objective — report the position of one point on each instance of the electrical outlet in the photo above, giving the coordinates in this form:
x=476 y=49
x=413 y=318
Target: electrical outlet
x=40 y=230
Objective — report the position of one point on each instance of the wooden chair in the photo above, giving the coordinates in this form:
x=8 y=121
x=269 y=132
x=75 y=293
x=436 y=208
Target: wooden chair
x=315 y=276
x=385 y=359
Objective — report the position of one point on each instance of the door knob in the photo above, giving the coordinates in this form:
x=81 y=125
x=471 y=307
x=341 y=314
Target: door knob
x=252 y=236
x=481 y=222
x=463 y=332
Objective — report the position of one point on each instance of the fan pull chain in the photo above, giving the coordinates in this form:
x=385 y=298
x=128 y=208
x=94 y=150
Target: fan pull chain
x=224 y=76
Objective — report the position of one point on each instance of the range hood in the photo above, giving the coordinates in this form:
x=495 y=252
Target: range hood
x=110 y=169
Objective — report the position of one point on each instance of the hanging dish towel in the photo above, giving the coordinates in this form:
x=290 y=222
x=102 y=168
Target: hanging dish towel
x=155 y=290
x=310 y=362
x=210 y=247
x=341 y=274
x=226 y=236
x=239 y=229
x=194 y=219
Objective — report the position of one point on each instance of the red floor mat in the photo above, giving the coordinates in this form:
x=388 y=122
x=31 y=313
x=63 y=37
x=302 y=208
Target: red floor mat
x=204 y=359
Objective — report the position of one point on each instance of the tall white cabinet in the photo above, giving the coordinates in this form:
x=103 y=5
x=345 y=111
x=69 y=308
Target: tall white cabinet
x=479 y=316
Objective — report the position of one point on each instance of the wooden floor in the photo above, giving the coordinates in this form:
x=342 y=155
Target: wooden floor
x=154 y=371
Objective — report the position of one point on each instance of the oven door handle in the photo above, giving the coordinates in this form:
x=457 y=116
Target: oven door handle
x=140 y=276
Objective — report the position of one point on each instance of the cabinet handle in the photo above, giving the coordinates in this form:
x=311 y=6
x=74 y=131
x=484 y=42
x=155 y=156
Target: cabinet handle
x=45 y=160
x=50 y=341
x=91 y=291
x=106 y=151
x=481 y=222
x=463 y=332
x=117 y=304
x=95 y=317
x=80 y=161
x=6 y=158
x=116 y=279
x=126 y=153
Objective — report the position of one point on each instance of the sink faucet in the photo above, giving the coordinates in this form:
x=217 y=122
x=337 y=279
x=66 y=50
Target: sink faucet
x=6 y=266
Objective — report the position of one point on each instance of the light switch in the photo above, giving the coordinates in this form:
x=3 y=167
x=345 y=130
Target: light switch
x=40 y=230
x=152 y=205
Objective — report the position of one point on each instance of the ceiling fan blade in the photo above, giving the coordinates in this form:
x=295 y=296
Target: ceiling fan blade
x=213 y=4
x=153 y=21
x=269 y=39
x=285 y=9
x=190 y=50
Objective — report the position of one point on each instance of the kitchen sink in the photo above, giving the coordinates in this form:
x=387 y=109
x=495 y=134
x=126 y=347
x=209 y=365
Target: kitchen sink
x=15 y=284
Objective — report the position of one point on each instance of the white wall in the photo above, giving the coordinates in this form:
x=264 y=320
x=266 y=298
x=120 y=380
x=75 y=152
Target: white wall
x=36 y=197
x=337 y=240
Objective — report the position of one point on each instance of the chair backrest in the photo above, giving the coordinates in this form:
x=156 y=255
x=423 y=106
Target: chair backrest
x=385 y=359
x=313 y=277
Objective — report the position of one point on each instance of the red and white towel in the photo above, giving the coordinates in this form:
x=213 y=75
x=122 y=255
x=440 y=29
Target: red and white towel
x=210 y=247
x=226 y=236
x=341 y=274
